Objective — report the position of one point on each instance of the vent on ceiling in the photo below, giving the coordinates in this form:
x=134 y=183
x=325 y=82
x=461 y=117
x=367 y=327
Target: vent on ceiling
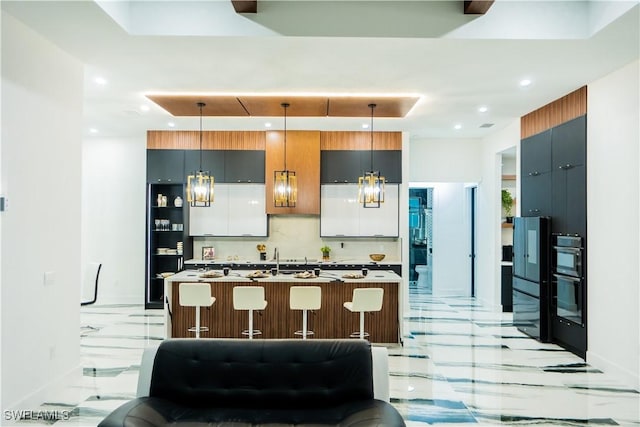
x=486 y=125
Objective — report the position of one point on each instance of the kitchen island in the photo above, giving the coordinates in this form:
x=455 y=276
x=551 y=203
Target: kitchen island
x=332 y=320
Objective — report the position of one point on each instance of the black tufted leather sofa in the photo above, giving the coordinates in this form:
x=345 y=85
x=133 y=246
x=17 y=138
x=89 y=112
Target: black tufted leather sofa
x=228 y=382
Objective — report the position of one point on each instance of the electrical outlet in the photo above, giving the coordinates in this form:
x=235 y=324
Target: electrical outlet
x=49 y=278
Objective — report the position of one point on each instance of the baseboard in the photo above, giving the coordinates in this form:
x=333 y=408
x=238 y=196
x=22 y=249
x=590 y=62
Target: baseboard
x=120 y=299
x=610 y=368
x=49 y=391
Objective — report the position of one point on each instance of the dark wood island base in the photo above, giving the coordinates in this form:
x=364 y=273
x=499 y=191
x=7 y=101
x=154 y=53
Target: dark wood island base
x=332 y=320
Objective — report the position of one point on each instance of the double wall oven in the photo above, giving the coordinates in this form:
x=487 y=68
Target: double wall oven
x=568 y=279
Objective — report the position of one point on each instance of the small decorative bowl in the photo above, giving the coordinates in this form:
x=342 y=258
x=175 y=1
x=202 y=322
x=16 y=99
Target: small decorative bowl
x=376 y=257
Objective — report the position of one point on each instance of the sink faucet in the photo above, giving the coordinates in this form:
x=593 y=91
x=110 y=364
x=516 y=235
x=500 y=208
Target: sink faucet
x=276 y=256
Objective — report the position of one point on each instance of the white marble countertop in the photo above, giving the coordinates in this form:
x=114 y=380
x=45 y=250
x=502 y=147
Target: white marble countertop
x=325 y=276
x=291 y=261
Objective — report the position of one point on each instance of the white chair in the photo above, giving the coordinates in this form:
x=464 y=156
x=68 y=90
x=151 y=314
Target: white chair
x=249 y=298
x=364 y=300
x=196 y=295
x=305 y=298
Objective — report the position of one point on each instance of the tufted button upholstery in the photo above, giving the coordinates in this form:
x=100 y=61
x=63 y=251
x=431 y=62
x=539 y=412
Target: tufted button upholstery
x=227 y=382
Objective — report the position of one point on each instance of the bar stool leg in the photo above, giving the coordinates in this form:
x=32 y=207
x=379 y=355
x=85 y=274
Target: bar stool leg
x=304 y=324
x=362 y=325
x=197 y=321
x=250 y=324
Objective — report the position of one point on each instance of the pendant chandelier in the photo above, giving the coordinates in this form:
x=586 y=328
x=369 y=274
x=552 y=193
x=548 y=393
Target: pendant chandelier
x=371 y=183
x=200 y=183
x=285 y=183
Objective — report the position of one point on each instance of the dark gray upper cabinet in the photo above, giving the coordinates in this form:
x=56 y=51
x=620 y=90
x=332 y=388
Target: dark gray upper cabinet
x=339 y=166
x=212 y=161
x=535 y=153
x=536 y=195
x=568 y=143
x=388 y=162
x=244 y=166
x=165 y=166
x=346 y=166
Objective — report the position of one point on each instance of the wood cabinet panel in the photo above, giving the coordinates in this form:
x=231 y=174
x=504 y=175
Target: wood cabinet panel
x=349 y=140
x=211 y=140
x=303 y=157
x=559 y=111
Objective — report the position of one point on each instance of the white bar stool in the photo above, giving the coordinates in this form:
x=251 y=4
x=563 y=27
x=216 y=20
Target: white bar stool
x=249 y=298
x=196 y=295
x=305 y=298
x=364 y=300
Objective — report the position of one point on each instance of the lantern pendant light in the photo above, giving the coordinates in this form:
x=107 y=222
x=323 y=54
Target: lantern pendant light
x=200 y=183
x=371 y=183
x=285 y=183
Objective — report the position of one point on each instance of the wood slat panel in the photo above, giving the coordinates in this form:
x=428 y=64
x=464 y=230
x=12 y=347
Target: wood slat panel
x=347 y=140
x=477 y=7
x=559 y=111
x=359 y=106
x=211 y=140
x=303 y=157
x=245 y=6
x=279 y=321
x=187 y=105
x=270 y=106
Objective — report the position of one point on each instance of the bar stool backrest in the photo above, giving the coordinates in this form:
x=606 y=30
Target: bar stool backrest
x=367 y=299
x=195 y=295
x=305 y=297
x=248 y=298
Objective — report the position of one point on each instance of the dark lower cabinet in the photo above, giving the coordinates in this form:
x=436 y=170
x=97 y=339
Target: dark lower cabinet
x=507 y=288
x=571 y=336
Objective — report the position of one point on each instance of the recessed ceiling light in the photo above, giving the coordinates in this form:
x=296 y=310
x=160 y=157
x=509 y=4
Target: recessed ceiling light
x=457 y=126
x=483 y=109
x=100 y=80
x=171 y=124
x=93 y=130
x=525 y=82
x=365 y=126
x=144 y=108
x=267 y=125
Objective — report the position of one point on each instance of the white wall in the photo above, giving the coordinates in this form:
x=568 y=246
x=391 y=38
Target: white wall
x=445 y=160
x=613 y=188
x=489 y=251
x=113 y=216
x=41 y=158
x=451 y=274
x=445 y=165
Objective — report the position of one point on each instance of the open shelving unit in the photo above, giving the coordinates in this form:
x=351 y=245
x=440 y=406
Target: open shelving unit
x=167 y=230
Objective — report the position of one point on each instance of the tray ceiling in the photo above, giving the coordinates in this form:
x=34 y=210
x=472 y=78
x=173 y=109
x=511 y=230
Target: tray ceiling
x=299 y=106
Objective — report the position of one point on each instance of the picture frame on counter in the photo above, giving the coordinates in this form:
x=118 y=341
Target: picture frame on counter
x=208 y=253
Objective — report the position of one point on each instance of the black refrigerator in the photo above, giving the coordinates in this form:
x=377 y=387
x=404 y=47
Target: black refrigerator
x=531 y=276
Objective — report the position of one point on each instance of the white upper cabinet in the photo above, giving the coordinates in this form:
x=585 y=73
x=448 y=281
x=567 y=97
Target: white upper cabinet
x=342 y=215
x=237 y=210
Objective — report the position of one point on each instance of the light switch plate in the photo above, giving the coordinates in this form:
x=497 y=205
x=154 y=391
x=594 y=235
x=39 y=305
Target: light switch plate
x=49 y=278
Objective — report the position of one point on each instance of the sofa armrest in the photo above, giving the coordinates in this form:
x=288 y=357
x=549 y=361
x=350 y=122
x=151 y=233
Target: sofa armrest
x=380 y=359
x=146 y=368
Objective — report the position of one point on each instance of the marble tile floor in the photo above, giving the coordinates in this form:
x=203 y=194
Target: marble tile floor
x=460 y=364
